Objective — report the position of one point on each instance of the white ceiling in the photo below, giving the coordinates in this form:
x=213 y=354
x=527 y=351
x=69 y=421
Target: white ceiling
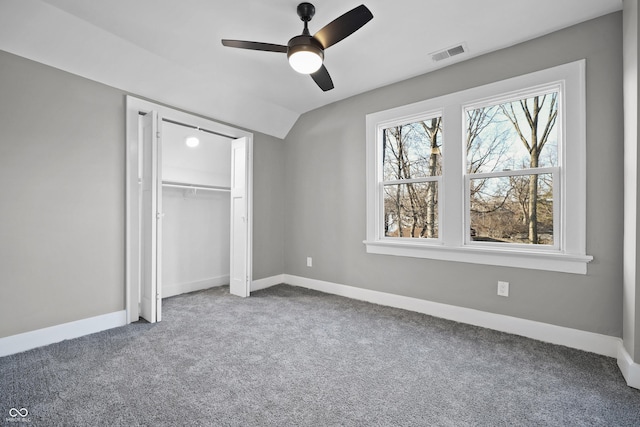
x=170 y=51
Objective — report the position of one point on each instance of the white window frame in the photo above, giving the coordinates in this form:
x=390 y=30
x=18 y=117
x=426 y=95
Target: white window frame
x=568 y=254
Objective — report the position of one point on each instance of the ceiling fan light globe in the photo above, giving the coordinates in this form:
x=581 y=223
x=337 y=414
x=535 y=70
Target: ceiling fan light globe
x=305 y=62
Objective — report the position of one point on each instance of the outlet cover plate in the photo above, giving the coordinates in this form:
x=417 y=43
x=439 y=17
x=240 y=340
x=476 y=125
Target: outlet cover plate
x=503 y=289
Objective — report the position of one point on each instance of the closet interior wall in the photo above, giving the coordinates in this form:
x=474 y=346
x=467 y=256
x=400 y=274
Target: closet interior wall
x=196 y=207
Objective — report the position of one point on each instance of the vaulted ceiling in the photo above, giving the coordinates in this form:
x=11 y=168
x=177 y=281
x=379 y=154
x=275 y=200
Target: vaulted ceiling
x=170 y=51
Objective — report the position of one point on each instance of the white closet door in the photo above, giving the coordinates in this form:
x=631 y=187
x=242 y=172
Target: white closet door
x=150 y=299
x=239 y=276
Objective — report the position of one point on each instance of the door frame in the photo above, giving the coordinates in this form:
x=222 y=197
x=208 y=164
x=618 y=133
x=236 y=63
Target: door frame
x=134 y=108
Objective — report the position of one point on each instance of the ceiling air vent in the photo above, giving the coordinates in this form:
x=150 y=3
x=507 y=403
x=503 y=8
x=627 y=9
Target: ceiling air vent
x=448 y=53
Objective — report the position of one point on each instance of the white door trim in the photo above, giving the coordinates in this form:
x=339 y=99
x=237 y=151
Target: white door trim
x=135 y=107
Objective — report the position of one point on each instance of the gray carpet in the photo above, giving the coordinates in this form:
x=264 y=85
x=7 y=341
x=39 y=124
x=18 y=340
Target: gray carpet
x=288 y=356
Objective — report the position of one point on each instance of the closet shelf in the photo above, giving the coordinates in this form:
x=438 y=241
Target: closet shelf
x=195 y=187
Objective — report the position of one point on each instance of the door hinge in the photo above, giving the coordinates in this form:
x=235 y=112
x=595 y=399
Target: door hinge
x=158 y=134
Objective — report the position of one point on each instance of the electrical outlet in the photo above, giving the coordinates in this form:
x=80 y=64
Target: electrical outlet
x=309 y=262
x=503 y=289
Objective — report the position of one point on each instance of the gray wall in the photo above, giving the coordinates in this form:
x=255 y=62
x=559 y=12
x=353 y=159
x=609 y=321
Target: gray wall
x=325 y=192
x=62 y=199
x=631 y=290
x=268 y=206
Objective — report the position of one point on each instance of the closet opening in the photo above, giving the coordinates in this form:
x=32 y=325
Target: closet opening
x=196 y=208
x=188 y=207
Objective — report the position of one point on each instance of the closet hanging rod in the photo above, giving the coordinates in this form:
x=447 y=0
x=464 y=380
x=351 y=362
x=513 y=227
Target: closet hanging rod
x=198 y=128
x=195 y=187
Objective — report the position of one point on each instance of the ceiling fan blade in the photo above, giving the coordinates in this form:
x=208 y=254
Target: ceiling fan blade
x=343 y=26
x=323 y=79
x=268 y=47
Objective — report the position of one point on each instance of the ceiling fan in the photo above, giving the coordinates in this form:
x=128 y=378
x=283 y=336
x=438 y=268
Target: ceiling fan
x=306 y=52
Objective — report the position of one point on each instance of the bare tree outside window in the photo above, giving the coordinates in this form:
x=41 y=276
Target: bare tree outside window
x=510 y=148
x=412 y=163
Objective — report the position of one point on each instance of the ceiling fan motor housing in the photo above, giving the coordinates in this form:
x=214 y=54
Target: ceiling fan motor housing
x=305 y=43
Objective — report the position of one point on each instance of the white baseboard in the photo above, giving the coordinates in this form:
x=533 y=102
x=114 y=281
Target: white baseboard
x=574 y=338
x=630 y=370
x=267 y=282
x=183 y=288
x=588 y=341
x=28 y=340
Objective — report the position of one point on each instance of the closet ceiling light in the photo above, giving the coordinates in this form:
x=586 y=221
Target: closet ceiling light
x=192 y=141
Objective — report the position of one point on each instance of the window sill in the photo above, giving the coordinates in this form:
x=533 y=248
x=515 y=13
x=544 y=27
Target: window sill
x=537 y=260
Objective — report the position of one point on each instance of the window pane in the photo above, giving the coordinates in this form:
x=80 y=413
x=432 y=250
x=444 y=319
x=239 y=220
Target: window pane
x=411 y=210
x=514 y=209
x=514 y=135
x=412 y=150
